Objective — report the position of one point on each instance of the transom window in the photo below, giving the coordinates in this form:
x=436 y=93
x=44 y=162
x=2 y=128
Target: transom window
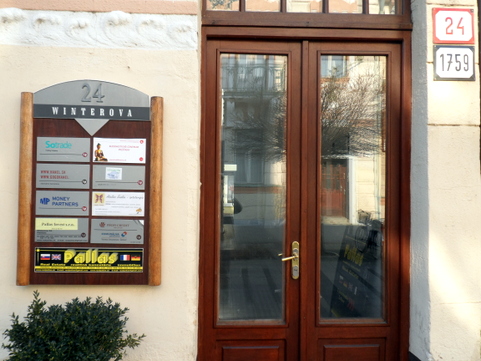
x=308 y=14
x=306 y=6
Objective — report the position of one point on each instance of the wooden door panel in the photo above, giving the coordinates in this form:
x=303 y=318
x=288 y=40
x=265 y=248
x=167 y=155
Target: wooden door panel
x=249 y=303
x=371 y=332
x=351 y=349
x=301 y=329
x=251 y=350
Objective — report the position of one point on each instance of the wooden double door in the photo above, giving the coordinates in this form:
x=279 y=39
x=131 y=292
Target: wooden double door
x=282 y=276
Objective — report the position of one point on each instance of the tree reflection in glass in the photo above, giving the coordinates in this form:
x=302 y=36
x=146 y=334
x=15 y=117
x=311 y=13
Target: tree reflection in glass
x=353 y=102
x=253 y=187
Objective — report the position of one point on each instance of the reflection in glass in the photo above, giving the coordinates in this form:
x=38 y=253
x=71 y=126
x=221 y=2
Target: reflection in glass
x=223 y=5
x=263 y=5
x=382 y=7
x=353 y=102
x=304 y=6
x=253 y=187
x=345 y=6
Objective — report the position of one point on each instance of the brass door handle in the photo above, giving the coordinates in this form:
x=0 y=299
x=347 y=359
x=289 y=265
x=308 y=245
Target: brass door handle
x=289 y=258
x=295 y=260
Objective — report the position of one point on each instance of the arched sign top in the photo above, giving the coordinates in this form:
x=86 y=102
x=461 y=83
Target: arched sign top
x=91 y=99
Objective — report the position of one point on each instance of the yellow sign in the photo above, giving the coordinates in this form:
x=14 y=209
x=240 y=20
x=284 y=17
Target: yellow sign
x=56 y=224
x=58 y=259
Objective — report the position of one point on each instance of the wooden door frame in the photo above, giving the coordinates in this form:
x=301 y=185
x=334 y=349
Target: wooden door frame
x=210 y=229
x=401 y=37
x=344 y=329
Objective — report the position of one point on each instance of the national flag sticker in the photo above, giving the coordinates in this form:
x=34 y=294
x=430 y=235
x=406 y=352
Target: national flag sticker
x=125 y=257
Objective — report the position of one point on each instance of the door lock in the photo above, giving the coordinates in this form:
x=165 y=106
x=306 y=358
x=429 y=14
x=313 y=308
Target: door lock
x=294 y=260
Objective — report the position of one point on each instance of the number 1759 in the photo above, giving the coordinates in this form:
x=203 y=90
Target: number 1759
x=454 y=62
x=459 y=61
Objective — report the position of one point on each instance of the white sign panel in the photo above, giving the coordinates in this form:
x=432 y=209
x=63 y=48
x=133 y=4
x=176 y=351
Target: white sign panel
x=453 y=26
x=119 y=150
x=119 y=177
x=123 y=204
x=62 y=203
x=454 y=63
x=55 y=149
x=118 y=231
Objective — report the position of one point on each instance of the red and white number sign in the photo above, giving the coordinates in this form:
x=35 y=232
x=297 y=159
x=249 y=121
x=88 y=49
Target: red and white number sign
x=453 y=26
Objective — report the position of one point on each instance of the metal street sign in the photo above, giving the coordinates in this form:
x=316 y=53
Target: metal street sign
x=92 y=103
x=453 y=26
x=454 y=63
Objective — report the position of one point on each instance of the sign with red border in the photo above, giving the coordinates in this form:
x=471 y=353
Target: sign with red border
x=453 y=26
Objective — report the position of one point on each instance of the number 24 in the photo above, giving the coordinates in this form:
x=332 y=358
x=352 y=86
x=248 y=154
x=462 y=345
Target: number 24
x=97 y=93
x=449 y=28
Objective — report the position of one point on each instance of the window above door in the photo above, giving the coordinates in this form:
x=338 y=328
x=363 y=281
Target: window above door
x=358 y=14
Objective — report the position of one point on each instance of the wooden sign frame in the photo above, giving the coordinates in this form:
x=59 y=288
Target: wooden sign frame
x=149 y=273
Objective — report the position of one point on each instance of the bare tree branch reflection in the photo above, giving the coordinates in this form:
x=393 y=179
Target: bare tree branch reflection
x=258 y=114
x=352 y=105
x=351 y=113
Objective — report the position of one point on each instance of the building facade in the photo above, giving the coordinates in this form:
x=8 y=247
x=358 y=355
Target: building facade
x=320 y=180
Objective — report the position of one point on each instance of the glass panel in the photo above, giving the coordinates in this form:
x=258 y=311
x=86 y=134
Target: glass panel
x=263 y=5
x=353 y=166
x=382 y=7
x=303 y=6
x=253 y=187
x=345 y=6
x=306 y=6
x=232 y=5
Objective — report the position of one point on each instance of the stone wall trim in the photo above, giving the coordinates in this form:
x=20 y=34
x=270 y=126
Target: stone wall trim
x=130 y=6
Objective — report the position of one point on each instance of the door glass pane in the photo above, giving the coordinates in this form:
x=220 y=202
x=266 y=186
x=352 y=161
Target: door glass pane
x=253 y=187
x=353 y=186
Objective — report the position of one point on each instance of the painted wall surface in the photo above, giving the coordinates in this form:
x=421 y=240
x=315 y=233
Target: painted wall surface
x=446 y=204
x=158 y=55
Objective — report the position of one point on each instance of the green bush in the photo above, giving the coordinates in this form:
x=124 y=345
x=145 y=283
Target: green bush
x=78 y=331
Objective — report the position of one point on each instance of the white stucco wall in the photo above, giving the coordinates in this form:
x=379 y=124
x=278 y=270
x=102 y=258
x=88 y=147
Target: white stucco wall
x=446 y=205
x=158 y=55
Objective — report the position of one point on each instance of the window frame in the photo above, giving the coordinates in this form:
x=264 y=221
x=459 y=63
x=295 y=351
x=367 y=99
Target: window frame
x=284 y=19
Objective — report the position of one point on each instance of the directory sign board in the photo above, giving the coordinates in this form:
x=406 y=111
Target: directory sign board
x=91 y=172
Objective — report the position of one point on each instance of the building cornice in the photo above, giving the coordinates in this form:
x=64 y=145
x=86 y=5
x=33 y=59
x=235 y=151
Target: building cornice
x=115 y=29
x=128 y=6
